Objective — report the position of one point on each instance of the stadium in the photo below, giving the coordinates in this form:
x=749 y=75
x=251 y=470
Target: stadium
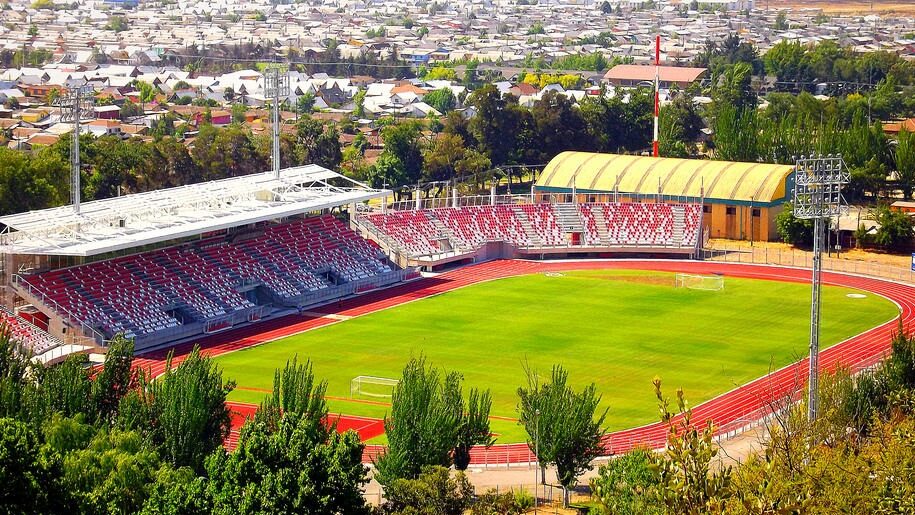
x=591 y=269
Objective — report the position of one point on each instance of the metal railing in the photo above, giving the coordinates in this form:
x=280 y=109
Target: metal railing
x=40 y=296
x=763 y=255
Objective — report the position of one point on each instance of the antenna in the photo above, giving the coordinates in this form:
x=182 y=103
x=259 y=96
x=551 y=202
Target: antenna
x=74 y=103
x=657 y=94
x=276 y=85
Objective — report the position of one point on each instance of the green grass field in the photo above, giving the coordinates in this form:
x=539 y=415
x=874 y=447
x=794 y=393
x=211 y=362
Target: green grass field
x=616 y=328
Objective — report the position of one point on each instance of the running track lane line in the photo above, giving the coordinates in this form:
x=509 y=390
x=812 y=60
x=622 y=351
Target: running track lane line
x=743 y=402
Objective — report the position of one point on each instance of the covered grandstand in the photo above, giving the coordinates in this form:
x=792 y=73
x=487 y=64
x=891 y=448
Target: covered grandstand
x=740 y=200
x=170 y=265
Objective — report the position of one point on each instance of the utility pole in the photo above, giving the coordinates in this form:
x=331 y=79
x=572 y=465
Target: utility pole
x=818 y=197
x=74 y=104
x=276 y=85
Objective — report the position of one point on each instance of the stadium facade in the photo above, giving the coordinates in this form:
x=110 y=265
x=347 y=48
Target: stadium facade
x=740 y=200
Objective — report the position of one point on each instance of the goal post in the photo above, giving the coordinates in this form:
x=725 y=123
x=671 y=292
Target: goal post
x=699 y=282
x=372 y=386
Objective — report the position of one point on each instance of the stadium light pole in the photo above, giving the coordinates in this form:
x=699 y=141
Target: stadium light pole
x=74 y=103
x=818 y=197
x=276 y=85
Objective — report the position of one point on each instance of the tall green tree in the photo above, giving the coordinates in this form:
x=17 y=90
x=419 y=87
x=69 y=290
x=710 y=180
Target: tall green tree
x=184 y=411
x=115 y=379
x=564 y=427
x=288 y=458
x=429 y=423
x=318 y=144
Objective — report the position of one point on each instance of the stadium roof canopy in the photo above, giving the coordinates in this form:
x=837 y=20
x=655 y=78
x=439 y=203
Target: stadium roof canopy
x=721 y=181
x=140 y=219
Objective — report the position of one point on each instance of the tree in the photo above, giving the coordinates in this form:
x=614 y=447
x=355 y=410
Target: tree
x=178 y=491
x=318 y=144
x=184 y=411
x=26 y=478
x=686 y=482
x=130 y=110
x=404 y=151
x=606 y=8
x=117 y=24
x=305 y=103
x=31 y=182
x=559 y=126
x=895 y=227
x=434 y=491
x=563 y=426
x=627 y=485
x=115 y=379
x=226 y=152
x=792 y=229
x=905 y=162
x=443 y=100
x=239 y=113
x=111 y=475
x=288 y=458
x=429 y=423
x=781 y=21
x=67 y=388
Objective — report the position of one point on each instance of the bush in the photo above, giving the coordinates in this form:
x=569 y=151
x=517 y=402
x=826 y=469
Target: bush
x=510 y=503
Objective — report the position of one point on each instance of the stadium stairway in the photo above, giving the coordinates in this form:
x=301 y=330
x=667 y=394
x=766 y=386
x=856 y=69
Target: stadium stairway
x=568 y=218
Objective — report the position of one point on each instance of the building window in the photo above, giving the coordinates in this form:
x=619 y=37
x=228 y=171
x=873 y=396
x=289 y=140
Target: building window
x=756 y=212
x=706 y=209
x=730 y=210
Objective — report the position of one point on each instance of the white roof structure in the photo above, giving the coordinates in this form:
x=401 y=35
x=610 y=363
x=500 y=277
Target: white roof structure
x=140 y=219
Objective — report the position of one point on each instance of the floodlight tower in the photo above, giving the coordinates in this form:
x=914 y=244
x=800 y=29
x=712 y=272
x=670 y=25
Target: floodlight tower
x=276 y=85
x=74 y=104
x=818 y=197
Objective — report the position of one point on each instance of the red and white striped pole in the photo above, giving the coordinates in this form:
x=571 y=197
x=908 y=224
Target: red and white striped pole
x=657 y=92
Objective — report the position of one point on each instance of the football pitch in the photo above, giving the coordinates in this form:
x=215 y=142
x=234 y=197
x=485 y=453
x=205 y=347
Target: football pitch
x=616 y=328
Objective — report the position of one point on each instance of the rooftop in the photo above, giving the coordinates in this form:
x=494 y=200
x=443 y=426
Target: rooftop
x=119 y=223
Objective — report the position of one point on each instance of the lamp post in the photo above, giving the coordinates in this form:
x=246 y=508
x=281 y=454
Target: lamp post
x=536 y=454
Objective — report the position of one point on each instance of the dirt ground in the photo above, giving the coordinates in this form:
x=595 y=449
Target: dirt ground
x=844 y=6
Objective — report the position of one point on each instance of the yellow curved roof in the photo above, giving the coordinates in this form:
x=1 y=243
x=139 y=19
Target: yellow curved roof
x=723 y=180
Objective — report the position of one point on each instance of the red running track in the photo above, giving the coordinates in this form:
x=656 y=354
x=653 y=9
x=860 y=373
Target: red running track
x=729 y=411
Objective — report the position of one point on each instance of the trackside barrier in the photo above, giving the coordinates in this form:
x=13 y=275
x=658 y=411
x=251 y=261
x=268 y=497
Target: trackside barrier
x=799 y=258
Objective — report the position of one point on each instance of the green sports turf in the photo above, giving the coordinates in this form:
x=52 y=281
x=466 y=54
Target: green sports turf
x=619 y=329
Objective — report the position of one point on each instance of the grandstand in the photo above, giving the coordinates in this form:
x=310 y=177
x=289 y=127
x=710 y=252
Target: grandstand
x=516 y=227
x=167 y=266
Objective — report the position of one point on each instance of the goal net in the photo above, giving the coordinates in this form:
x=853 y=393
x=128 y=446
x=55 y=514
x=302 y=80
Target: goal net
x=371 y=386
x=700 y=282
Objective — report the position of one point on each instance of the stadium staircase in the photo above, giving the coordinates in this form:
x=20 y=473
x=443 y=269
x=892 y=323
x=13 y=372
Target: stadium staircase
x=569 y=218
x=525 y=222
x=677 y=231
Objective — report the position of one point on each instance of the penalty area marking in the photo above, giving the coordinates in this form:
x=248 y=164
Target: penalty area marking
x=856 y=296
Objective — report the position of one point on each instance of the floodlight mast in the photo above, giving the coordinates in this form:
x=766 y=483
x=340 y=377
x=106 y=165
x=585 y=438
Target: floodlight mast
x=818 y=197
x=73 y=104
x=276 y=85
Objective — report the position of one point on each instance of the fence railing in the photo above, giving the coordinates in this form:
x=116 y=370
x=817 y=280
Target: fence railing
x=41 y=297
x=764 y=255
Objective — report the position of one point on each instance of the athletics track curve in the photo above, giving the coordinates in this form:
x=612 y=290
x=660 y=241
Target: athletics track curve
x=729 y=411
